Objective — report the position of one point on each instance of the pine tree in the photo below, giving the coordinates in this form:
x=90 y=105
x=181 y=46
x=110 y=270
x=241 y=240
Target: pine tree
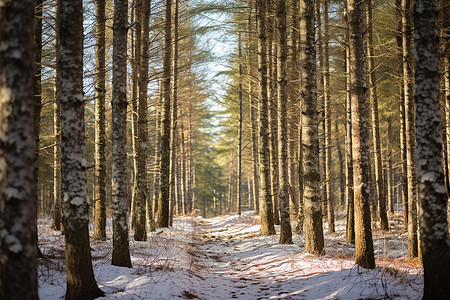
x=80 y=276
x=18 y=263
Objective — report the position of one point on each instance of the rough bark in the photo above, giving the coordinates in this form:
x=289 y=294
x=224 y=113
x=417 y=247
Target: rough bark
x=364 y=255
x=239 y=176
x=80 y=276
x=18 y=251
x=100 y=139
x=408 y=74
x=328 y=176
x=164 y=196
x=314 y=242
x=285 y=217
x=265 y=203
x=373 y=100
x=431 y=183
x=121 y=252
x=349 y=195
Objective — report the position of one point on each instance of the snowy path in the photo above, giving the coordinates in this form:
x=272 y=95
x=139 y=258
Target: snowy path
x=225 y=258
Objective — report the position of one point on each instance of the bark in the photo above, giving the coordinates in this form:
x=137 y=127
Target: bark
x=409 y=126
x=299 y=228
x=341 y=165
x=164 y=197
x=390 y=170
x=327 y=119
x=174 y=130
x=314 y=242
x=363 y=232
x=56 y=209
x=431 y=183
x=121 y=252
x=239 y=177
x=80 y=276
x=373 y=100
x=100 y=141
x=18 y=251
x=285 y=218
x=272 y=54
x=265 y=204
x=350 y=226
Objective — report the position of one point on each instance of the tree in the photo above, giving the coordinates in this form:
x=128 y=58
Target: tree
x=100 y=91
x=431 y=182
x=18 y=251
x=314 y=242
x=408 y=73
x=363 y=232
x=121 y=251
x=285 y=218
x=80 y=276
x=164 y=177
x=265 y=203
x=373 y=100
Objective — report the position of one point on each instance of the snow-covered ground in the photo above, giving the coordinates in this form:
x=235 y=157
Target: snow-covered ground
x=224 y=258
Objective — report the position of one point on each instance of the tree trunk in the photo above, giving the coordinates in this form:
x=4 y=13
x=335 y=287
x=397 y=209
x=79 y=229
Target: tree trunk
x=239 y=176
x=328 y=176
x=18 y=251
x=164 y=196
x=100 y=91
x=285 y=217
x=373 y=100
x=56 y=209
x=121 y=252
x=409 y=126
x=363 y=231
x=432 y=194
x=350 y=227
x=265 y=204
x=314 y=242
x=80 y=276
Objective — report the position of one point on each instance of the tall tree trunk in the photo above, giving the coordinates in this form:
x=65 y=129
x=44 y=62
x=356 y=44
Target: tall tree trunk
x=399 y=38
x=390 y=170
x=363 y=232
x=265 y=204
x=373 y=98
x=432 y=193
x=341 y=165
x=100 y=91
x=350 y=227
x=285 y=218
x=56 y=209
x=239 y=176
x=18 y=251
x=174 y=105
x=409 y=126
x=253 y=115
x=299 y=228
x=328 y=176
x=272 y=54
x=80 y=276
x=164 y=196
x=157 y=150
x=314 y=242
x=121 y=252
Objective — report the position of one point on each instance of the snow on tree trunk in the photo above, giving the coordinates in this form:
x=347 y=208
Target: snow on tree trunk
x=363 y=232
x=121 y=252
x=18 y=255
x=265 y=203
x=80 y=276
x=314 y=242
x=431 y=184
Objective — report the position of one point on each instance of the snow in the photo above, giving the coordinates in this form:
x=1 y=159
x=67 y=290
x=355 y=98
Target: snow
x=225 y=258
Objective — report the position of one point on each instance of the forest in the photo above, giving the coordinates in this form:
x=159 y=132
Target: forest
x=201 y=149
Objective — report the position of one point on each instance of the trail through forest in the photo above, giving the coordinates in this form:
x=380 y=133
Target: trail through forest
x=225 y=258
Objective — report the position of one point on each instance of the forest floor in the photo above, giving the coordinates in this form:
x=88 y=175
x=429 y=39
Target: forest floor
x=225 y=258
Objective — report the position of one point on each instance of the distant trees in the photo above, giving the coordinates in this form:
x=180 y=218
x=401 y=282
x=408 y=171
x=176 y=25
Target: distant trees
x=18 y=252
